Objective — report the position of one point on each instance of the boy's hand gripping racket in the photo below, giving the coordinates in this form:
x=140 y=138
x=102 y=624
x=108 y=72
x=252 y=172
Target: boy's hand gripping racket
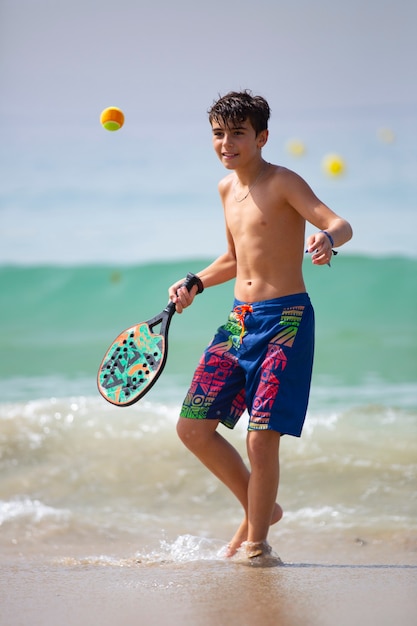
x=136 y=358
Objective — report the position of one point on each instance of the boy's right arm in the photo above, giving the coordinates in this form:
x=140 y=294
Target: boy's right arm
x=220 y=271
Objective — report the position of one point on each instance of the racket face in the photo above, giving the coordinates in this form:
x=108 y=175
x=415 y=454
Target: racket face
x=131 y=365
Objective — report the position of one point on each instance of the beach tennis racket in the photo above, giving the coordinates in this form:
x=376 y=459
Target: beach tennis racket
x=136 y=358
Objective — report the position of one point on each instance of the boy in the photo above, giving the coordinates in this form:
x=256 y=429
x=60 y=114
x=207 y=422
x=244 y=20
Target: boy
x=261 y=359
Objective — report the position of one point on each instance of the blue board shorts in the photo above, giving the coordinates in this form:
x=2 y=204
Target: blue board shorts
x=260 y=360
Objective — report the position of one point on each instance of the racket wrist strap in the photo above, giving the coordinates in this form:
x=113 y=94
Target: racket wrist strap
x=195 y=280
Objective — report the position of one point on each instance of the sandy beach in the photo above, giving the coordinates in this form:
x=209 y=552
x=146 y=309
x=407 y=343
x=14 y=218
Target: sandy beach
x=375 y=585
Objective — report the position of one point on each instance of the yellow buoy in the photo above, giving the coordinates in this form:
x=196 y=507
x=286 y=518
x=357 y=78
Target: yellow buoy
x=333 y=165
x=386 y=135
x=295 y=147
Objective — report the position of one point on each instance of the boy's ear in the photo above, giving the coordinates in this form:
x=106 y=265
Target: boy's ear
x=262 y=138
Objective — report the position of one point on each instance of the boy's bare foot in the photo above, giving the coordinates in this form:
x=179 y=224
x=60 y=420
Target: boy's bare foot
x=239 y=537
x=256 y=548
x=241 y=534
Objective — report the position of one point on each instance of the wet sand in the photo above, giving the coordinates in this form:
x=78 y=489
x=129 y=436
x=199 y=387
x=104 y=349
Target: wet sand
x=376 y=586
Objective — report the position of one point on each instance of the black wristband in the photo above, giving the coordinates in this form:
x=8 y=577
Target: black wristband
x=196 y=280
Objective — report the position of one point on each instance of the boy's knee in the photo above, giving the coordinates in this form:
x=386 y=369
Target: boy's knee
x=193 y=433
x=183 y=429
x=261 y=444
x=188 y=433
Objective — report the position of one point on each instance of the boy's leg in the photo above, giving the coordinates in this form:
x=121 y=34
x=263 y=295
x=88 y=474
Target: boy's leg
x=223 y=460
x=263 y=453
x=216 y=453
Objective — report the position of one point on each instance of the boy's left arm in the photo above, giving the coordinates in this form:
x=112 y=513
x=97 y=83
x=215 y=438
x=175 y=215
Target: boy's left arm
x=333 y=230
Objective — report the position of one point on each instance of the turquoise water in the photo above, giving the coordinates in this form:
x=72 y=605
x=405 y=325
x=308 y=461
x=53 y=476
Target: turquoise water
x=58 y=321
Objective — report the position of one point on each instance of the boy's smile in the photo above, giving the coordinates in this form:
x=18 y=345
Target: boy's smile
x=236 y=145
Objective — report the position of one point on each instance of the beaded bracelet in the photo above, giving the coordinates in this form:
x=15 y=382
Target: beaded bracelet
x=329 y=237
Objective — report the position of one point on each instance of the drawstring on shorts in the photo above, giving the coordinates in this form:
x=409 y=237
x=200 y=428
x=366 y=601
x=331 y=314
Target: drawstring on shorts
x=240 y=312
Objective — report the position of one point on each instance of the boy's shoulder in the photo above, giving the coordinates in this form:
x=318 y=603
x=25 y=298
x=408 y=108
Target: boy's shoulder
x=283 y=176
x=226 y=182
x=283 y=172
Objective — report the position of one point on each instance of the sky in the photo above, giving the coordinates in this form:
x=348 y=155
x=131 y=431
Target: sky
x=321 y=64
x=167 y=61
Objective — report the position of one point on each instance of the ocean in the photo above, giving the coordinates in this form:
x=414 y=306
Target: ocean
x=94 y=228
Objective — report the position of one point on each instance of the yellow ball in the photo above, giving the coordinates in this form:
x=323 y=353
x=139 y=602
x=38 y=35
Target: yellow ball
x=333 y=165
x=112 y=118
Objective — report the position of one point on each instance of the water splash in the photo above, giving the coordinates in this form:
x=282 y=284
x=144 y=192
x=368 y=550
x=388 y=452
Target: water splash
x=188 y=548
x=185 y=549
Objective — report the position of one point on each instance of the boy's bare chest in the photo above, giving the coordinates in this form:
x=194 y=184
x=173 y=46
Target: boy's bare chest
x=251 y=217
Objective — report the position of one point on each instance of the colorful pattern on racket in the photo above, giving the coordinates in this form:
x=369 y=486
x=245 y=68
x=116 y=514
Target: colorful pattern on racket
x=131 y=364
x=136 y=358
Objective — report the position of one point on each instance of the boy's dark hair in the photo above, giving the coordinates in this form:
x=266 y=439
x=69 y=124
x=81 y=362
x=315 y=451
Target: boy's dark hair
x=238 y=106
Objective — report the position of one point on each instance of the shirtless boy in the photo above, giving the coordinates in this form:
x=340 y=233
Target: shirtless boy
x=261 y=358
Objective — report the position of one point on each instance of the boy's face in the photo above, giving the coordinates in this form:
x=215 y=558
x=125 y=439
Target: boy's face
x=237 y=144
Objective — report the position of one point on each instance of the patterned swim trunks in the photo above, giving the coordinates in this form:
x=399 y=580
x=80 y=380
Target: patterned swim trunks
x=260 y=360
